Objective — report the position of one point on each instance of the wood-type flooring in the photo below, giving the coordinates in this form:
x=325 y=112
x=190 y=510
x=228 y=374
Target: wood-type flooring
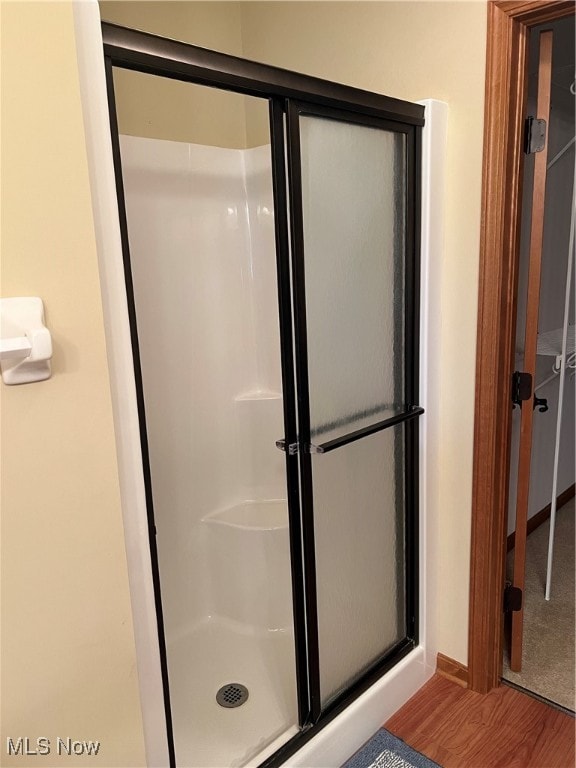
x=458 y=728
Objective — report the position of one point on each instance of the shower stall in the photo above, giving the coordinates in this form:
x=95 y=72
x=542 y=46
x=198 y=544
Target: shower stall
x=270 y=230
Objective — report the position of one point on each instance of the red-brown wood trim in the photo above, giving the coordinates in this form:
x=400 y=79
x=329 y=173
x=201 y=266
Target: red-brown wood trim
x=546 y=40
x=536 y=11
x=505 y=95
x=540 y=517
x=452 y=670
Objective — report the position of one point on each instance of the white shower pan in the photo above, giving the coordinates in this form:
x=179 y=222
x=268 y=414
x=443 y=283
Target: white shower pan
x=217 y=652
x=248 y=638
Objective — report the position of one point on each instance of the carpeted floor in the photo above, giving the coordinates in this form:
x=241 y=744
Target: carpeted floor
x=548 y=667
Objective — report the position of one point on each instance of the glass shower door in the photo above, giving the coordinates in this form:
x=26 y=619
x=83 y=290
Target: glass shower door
x=355 y=284
x=284 y=585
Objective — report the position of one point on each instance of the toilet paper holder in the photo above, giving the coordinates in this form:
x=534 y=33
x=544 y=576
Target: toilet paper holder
x=25 y=342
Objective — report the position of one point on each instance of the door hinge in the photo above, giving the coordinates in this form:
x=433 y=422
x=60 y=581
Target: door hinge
x=535 y=135
x=512 y=598
x=521 y=387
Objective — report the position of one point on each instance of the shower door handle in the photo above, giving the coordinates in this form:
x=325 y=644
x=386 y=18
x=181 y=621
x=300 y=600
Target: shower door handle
x=292 y=447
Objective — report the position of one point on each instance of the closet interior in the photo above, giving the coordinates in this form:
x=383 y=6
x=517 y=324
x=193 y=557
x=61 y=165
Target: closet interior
x=546 y=667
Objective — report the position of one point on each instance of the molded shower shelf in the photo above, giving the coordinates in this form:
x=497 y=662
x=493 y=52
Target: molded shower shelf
x=248 y=549
x=263 y=394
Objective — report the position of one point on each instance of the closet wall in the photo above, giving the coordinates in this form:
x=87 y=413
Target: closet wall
x=553 y=281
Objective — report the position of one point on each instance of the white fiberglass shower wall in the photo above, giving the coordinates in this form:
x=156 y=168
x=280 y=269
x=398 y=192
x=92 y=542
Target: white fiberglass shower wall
x=201 y=231
x=209 y=347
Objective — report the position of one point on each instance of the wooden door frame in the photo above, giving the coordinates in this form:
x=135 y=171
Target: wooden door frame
x=509 y=22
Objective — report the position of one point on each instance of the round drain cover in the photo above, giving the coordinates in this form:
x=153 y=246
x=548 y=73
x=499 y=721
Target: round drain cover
x=232 y=695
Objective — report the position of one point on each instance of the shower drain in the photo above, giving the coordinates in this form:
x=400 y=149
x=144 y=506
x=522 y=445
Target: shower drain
x=232 y=695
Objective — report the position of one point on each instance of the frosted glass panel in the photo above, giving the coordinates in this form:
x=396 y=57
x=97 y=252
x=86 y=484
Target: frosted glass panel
x=353 y=199
x=359 y=538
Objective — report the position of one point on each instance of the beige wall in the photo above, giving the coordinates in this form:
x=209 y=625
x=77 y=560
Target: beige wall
x=413 y=51
x=160 y=108
x=68 y=658
x=214 y=25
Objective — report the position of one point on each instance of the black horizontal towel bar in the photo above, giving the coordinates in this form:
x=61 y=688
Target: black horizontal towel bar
x=351 y=437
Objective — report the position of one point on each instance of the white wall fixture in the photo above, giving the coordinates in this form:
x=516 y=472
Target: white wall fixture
x=25 y=342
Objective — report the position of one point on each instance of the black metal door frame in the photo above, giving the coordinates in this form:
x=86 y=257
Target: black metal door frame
x=408 y=417
x=289 y=94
